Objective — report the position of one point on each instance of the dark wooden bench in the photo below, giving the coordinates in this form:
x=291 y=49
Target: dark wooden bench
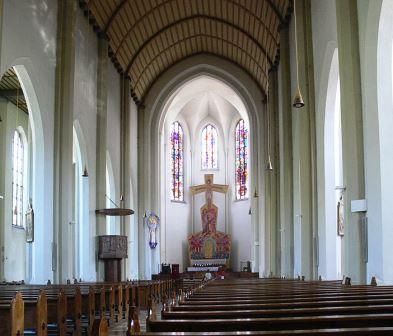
x=277 y=306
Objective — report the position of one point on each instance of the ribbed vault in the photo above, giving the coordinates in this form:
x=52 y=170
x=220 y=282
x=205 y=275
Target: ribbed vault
x=146 y=37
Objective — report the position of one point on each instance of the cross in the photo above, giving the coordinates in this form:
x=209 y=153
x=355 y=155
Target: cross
x=208 y=188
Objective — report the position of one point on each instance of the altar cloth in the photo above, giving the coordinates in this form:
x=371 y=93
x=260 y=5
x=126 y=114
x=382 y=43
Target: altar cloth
x=203 y=269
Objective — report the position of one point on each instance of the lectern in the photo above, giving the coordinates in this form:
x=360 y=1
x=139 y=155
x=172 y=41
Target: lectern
x=112 y=249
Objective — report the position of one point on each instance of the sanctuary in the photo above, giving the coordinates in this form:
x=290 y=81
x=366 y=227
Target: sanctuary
x=209 y=248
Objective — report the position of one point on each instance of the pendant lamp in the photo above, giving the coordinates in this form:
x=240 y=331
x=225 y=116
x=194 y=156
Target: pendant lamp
x=85 y=172
x=269 y=165
x=298 y=101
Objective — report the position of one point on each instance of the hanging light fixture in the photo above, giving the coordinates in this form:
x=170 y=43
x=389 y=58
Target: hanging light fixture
x=298 y=101
x=85 y=172
x=269 y=166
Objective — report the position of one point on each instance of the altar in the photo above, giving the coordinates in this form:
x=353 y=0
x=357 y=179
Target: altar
x=209 y=248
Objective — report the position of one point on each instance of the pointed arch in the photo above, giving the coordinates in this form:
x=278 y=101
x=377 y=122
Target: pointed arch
x=155 y=113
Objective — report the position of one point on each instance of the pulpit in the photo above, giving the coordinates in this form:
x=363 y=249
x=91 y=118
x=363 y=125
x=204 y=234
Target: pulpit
x=112 y=249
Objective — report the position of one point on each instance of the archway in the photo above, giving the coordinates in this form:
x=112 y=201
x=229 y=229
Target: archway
x=379 y=164
x=30 y=245
x=334 y=190
x=151 y=127
x=203 y=106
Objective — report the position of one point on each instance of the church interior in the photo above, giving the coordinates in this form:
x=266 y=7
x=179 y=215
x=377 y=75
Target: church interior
x=200 y=166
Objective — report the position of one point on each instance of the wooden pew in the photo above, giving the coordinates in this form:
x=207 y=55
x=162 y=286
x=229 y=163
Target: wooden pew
x=12 y=311
x=277 y=306
x=72 y=308
x=378 y=331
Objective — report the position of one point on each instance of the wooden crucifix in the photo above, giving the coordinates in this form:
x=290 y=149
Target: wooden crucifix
x=209 y=211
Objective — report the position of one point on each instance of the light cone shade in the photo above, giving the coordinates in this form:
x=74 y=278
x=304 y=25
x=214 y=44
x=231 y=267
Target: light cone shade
x=85 y=173
x=298 y=99
x=269 y=165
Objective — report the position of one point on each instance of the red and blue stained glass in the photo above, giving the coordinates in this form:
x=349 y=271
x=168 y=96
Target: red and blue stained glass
x=177 y=164
x=241 y=160
x=209 y=147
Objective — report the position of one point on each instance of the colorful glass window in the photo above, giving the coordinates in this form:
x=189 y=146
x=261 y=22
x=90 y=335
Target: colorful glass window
x=209 y=147
x=241 y=160
x=177 y=162
x=17 y=179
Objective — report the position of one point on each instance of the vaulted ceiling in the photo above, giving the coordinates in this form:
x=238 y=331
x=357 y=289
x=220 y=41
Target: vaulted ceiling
x=146 y=37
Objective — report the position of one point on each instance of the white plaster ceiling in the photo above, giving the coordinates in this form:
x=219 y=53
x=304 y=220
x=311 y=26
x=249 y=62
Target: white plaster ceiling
x=203 y=100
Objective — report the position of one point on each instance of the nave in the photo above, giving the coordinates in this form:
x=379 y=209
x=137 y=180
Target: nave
x=169 y=139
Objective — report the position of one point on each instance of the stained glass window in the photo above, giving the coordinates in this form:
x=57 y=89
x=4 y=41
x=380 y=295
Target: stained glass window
x=17 y=179
x=241 y=160
x=209 y=147
x=177 y=162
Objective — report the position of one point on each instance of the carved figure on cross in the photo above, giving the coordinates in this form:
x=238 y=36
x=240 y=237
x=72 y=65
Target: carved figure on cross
x=209 y=211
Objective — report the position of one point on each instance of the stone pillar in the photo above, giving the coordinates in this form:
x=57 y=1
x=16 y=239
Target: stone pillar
x=125 y=165
x=276 y=170
x=271 y=179
x=142 y=191
x=3 y=131
x=2 y=181
x=305 y=154
x=285 y=157
x=352 y=133
x=1 y=24
x=64 y=117
x=101 y=143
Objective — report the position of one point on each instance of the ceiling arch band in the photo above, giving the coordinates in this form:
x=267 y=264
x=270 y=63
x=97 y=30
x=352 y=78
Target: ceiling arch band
x=190 y=11
x=193 y=18
x=146 y=37
x=136 y=82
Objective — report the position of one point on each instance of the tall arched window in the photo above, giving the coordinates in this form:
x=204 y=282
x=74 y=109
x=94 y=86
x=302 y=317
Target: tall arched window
x=241 y=160
x=209 y=147
x=177 y=162
x=17 y=179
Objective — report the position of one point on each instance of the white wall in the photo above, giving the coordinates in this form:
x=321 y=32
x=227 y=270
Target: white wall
x=113 y=139
x=324 y=36
x=29 y=34
x=132 y=230
x=85 y=115
x=85 y=110
x=15 y=246
x=375 y=38
x=28 y=41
